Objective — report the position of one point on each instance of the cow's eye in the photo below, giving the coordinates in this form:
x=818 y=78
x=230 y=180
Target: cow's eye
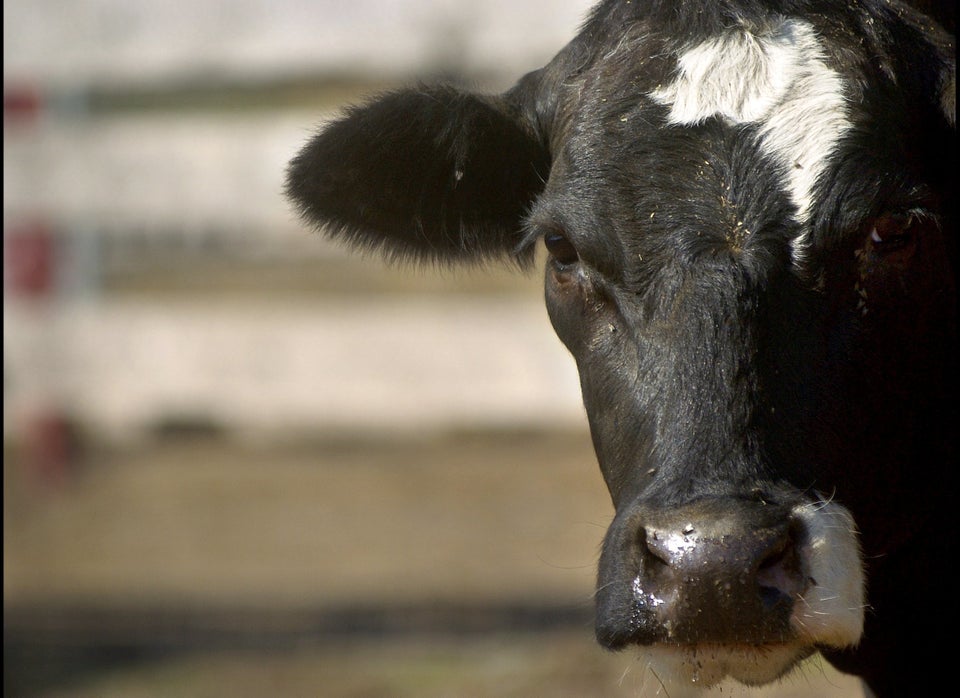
x=894 y=233
x=560 y=248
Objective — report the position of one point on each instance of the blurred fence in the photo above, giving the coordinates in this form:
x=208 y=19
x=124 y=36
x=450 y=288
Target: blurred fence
x=148 y=141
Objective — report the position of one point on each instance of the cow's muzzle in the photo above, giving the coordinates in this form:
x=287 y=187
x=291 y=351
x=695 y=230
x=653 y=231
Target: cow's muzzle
x=731 y=573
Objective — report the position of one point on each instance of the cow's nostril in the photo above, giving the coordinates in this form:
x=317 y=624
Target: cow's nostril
x=779 y=576
x=656 y=547
x=772 y=596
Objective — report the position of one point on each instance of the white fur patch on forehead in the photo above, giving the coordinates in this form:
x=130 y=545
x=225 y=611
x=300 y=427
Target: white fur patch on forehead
x=777 y=79
x=739 y=76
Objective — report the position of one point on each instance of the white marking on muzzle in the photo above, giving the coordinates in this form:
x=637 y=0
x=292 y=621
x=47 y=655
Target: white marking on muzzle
x=831 y=610
x=700 y=667
x=777 y=79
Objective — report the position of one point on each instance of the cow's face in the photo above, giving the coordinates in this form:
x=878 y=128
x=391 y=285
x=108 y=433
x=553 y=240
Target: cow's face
x=759 y=297
x=749 y=227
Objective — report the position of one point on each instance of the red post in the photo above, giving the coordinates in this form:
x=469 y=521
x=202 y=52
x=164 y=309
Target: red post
x=31 y=268
x=30 y=259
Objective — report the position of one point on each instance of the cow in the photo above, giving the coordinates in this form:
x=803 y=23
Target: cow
x=748 y=213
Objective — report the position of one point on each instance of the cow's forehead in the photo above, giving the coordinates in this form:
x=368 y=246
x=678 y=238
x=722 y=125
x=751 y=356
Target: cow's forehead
x=777 y=79
x=774 y=91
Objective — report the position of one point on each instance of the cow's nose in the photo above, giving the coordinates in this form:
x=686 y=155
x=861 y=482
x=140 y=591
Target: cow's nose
x=693 y=576
x=710 y=566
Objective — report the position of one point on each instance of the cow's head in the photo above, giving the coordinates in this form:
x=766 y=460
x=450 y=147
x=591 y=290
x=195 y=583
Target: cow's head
x=749 y=217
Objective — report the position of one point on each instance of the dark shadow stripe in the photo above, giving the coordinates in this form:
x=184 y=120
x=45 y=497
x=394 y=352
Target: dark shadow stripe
x=50 y=645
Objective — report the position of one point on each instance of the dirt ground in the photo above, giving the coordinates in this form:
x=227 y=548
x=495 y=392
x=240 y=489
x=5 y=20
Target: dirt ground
x=182 y=529
x=554 y=665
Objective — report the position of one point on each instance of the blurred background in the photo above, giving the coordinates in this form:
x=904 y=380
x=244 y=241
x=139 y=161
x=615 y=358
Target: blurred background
x=238 y=460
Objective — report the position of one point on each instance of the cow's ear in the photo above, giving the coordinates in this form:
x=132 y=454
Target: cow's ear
x=948 y=91
x=429 y=173
x=945 y=47
x=934 y=24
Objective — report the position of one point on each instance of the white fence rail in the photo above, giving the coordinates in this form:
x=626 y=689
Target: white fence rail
x=120 y=368
x=135 y=41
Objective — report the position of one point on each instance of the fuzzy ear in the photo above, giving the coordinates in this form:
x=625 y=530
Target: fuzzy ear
x=934 y=24
x=430 y=173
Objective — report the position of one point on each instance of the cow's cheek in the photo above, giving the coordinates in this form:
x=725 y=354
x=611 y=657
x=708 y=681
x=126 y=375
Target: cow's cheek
x=573 y=308
x=589 y=323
